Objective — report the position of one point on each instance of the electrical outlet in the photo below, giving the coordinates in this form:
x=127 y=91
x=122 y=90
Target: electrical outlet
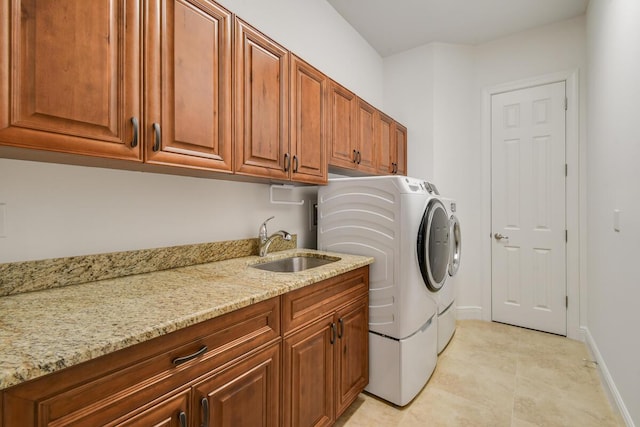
x=313 y=215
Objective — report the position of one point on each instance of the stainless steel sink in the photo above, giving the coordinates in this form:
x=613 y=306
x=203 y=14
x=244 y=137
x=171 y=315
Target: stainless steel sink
x=295 y=263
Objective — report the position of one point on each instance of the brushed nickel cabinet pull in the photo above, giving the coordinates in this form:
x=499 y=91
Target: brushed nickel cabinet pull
x=183 y=359
x=295 y=164
x=287 y=162
x=332 y=338
x=340 y=328
x=134 y=141
x=158 y=137
x=204 y=404
x=183 y=419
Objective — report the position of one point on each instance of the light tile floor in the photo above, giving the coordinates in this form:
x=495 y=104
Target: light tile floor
x=498 y=375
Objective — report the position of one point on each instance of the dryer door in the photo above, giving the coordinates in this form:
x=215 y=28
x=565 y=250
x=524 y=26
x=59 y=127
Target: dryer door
x=455 y=242
x=433 y=245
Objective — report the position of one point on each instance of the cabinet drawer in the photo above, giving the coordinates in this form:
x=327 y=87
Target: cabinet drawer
x=104 y=389
x=307 y=304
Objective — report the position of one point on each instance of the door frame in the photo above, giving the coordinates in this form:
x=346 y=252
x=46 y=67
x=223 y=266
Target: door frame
x=575 y=196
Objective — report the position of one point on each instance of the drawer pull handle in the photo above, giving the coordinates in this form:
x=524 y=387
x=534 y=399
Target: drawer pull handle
x=340 y=328
x=183 y=419
x=355 y=156
x=295 y=164
x=332 y=338
x=183 y=359
x=134 y=141
x=204 y=403
x=359 y=157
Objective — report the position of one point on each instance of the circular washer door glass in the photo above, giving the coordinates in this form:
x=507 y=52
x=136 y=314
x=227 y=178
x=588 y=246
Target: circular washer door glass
x=433 y=245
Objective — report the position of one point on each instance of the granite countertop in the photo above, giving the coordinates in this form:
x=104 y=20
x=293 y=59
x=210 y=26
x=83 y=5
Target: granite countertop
x=48 y=330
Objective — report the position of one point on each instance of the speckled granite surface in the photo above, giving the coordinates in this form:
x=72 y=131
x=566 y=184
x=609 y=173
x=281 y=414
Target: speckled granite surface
x=19 y=277
x=42 y=332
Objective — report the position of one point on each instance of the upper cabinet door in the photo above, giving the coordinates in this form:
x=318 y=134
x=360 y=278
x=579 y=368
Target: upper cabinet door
x=401 y=149
x=261 y=84
x=188 y=86
x=366 y=137
x=308 y=123
x=385 y=160
x=74 y=81
x=343 y=132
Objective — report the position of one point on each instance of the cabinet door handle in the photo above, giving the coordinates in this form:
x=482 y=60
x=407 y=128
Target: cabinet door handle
x=340 y=327
x=158 y=136
x=359 y=156
x=134 y=141
x=395 y=168
x=355 y=156
x=182 y=417
x=204 y=404
x=183 y=359
x=332 y=338
x=295 y=164
x=287 y=162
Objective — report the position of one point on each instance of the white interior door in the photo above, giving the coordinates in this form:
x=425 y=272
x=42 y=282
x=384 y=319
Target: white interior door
x=528 y=208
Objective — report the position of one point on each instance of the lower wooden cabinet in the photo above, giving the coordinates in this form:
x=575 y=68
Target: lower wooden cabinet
x=326 y=349
x=245 y=394
x=352 y=348
x=239 y=369
x=309 y=375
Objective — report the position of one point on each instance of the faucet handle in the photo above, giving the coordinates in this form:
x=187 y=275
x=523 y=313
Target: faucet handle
x=262 y=232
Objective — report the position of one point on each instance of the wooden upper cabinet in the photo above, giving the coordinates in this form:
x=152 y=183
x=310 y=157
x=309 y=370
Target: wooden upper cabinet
x=401 y=149
x=188 y=84
x=343 y=133
x=391 y=146
x=366 y=137
x=261 y=84
x=309 y=121
x=385 y=144
x=70 y=76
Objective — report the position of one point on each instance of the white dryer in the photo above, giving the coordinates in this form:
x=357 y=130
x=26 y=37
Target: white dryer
x=395 y=220
x=445 y=297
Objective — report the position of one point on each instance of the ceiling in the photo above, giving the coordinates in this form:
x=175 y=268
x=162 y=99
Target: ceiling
x=393 y=26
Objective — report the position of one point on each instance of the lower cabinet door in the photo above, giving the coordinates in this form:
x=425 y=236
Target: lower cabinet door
x=170 y=412
x=308 y=375
x=247 y=393
x=353 y=353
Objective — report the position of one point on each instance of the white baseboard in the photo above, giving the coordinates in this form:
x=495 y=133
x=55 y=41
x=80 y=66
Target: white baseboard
x=469 y=312
x=609 y=385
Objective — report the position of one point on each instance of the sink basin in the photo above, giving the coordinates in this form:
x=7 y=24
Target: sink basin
x=295 y=263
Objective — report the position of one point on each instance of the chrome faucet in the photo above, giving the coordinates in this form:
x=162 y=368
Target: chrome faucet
x=265 y=241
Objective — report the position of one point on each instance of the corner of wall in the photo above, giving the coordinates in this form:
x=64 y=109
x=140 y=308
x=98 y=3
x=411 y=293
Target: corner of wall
x=615 y=399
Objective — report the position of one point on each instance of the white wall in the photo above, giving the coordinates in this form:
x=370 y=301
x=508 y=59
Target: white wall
x=455 y=154
x=613 y=177
x=408 y=98
x=62 y=210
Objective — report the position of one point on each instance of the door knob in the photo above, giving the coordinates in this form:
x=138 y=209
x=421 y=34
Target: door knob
x=499 y=236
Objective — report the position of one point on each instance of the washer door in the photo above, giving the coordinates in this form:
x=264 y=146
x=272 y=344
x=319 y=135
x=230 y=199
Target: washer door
x=433 y=245
x=455 y=241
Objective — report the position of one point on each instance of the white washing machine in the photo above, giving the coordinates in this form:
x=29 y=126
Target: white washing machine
x=398 y=221
x=445 y=297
